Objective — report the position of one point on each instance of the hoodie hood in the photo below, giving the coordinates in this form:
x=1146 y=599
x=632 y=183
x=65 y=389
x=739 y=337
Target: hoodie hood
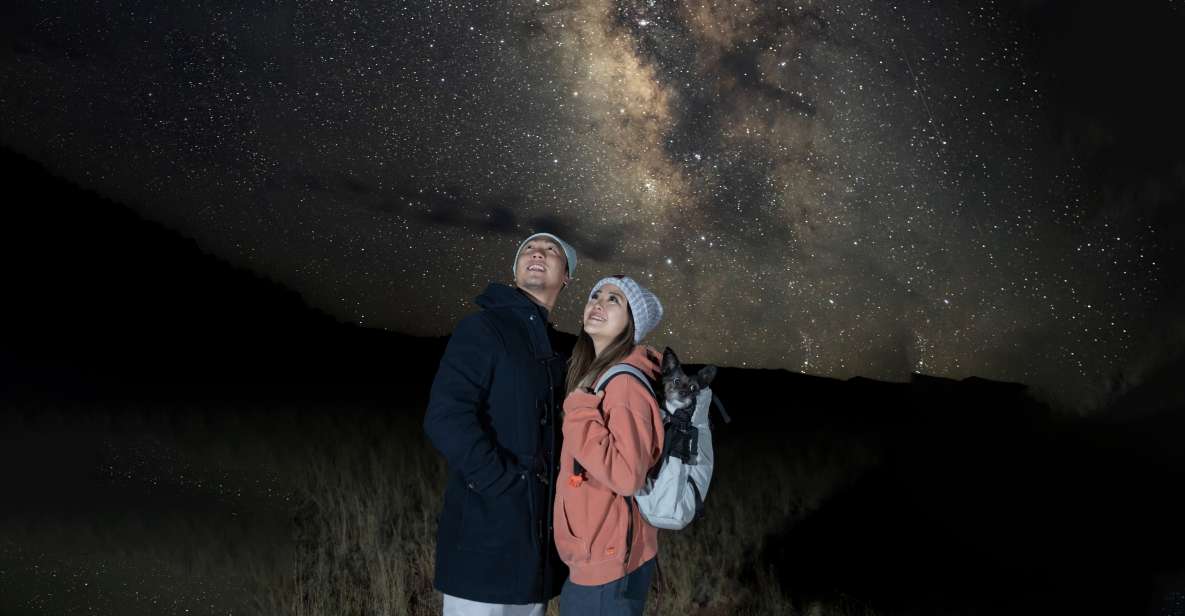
x=643 y=358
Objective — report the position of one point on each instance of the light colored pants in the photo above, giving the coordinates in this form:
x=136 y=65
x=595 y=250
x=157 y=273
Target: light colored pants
x=456 y=606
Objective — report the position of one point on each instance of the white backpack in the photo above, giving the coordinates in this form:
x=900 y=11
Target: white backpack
x=678 y=483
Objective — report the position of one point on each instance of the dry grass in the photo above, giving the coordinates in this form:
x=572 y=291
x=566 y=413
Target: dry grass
x=354 y=492
x=712 y=566
x=367 y=526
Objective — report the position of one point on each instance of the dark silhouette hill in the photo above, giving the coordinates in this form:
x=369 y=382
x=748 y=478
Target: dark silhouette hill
x=100 y=298
x=984 y=500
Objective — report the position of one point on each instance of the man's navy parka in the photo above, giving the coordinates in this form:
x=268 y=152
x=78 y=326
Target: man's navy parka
x=494 y=415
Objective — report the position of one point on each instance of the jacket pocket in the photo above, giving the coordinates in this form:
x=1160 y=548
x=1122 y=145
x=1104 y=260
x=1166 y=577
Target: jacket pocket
x=496 y=524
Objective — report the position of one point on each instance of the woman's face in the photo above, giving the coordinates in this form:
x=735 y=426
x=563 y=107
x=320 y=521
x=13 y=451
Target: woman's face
x=606 y=314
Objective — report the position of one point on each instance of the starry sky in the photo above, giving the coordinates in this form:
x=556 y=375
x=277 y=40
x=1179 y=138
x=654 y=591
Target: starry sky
x=838 y=188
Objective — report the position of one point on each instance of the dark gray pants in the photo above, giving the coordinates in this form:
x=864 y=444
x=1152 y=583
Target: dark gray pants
x=625 y=597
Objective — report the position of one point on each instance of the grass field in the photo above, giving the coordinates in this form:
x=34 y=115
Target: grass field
x=319 y=509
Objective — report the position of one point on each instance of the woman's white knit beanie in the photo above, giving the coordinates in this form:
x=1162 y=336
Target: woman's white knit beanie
x=643 y=304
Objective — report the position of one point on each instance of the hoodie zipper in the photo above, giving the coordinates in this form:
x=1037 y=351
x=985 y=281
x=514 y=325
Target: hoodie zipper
x=629 y=530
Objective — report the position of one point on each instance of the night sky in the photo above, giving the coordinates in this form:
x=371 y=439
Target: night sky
x=837 y=188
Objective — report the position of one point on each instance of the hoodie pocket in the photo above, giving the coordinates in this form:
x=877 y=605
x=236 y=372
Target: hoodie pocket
x=590 y=525
x=571 y=547
x=611 y=522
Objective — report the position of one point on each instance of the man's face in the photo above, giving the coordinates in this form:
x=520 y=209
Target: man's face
x=541 y=265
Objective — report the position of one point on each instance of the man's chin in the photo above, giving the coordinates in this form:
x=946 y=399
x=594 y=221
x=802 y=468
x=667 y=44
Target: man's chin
x=532 y=283
x=536 y=283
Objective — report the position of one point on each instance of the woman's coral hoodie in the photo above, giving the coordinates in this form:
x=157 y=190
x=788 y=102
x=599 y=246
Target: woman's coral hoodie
x=592 y=516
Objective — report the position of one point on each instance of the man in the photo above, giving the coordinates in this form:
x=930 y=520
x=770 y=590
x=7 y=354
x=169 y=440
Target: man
x=493 y=414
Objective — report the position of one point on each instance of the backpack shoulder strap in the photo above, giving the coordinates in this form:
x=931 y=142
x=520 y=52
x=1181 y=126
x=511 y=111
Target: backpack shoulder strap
x=720 y=407
x=623 y=368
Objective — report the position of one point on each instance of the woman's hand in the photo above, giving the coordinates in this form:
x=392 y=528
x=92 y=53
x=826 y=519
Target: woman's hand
x=583 y=398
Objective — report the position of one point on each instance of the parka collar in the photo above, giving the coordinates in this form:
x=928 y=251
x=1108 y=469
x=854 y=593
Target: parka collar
x=498 y=295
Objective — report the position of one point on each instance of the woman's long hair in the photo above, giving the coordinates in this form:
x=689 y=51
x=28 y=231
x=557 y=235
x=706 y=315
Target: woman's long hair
x=585 y=365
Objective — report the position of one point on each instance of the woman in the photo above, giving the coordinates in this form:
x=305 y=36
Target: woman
x=611 y=440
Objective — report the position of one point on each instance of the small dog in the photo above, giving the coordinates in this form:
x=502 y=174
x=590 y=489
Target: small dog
x=679 y=390
x=680 y=393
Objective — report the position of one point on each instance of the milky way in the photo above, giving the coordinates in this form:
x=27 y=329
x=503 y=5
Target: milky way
x=842 y=188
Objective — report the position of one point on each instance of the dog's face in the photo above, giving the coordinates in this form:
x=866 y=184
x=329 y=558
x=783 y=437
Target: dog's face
x=679 y=389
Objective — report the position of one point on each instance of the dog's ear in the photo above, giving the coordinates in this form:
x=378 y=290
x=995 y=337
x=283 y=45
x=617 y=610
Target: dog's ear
x=705 y=375
x=670 y=363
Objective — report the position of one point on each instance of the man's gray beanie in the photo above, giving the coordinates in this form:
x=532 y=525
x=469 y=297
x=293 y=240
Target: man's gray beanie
x=644 y=305
x=569 y=253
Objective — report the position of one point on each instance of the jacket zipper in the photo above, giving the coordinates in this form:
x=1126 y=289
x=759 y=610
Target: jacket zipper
x=549 y=412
